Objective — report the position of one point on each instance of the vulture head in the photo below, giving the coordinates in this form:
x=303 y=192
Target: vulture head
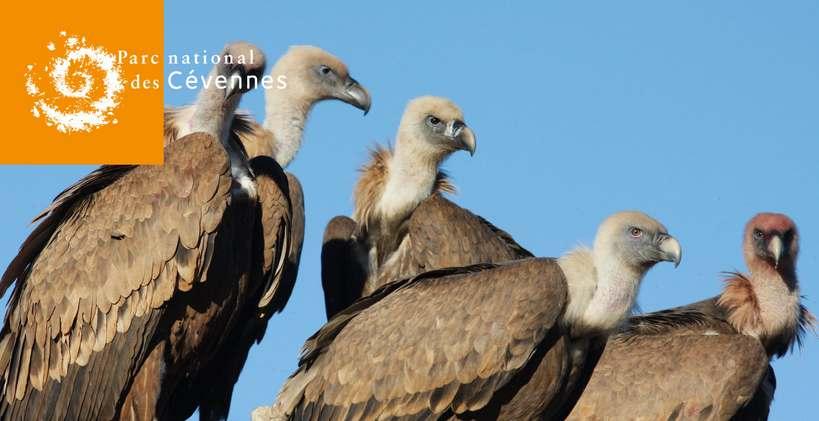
x=310 y=74
x=396 y=180
x=637 y=240
x=433 y=127
x=244 y=64
x=604 y=282
x=771 y=241
x=766 y=303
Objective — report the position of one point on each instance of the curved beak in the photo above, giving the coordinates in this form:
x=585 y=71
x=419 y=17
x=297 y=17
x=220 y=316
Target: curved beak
x=775 y=247
x=356 y=95
x=463 y=135
x=670 y=250
x=234 y=83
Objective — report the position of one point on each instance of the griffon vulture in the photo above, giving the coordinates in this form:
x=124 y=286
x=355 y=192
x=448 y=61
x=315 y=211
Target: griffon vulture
x=302 y=77
x=116 y=292
x=708 y=360
x=402 y=226
x=488 y=340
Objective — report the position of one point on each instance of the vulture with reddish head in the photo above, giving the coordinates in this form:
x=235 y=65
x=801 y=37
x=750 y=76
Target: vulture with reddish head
x=402 y=225
x=708 y=360
x=303 y=76
x=117 y=293
x=482 y=341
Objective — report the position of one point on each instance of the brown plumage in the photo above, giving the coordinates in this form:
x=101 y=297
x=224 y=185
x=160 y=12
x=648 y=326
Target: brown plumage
x=135 y=276
x=96 y=293
x=343 y=267
x=439 y=234
x=709 y=359
x=211 y=391
x=395 y=182
x=482 y=341
x=398 y=196
x=312 y=75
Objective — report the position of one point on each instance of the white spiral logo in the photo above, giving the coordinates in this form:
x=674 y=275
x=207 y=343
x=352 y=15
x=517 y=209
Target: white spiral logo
x=74 y=100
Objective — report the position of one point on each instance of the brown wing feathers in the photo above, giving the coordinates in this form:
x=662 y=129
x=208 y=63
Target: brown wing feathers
x=443 y=234
x=316 y=344
x=281 y=222
x=646 y=356
x=131 y=245
x=424 y=371
x=277 y=249
x=292 y=258
x=643 y=376
x=343 y=265
x=54 y=215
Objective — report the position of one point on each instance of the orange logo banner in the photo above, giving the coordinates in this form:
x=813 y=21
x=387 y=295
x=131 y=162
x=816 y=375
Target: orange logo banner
x=83 y=83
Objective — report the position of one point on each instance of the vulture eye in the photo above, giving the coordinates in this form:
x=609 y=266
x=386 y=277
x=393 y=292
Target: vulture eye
x=325 y=70
x=636 y=232
x=758 y=235
x=433 y=121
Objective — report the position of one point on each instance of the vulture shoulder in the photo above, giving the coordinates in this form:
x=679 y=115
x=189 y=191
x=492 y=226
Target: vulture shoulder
x=443 y=342
x=689 y=359
x=442 y=234
x=91 y=281
x=343 y=265
x=50 y=218
x=703 y=317
x=252 y=136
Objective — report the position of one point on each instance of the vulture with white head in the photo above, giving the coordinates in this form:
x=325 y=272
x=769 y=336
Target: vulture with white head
x=117 y=293
x=482 y=341
x=310 y=75
x=304 y=76
x=402 y=225
x=710 y=359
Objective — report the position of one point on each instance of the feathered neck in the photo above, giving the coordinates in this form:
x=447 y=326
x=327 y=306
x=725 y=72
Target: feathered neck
x=602 y=289
x=393 y=183
x=285 y=117
x=211 y=113
x=766 y=304
x=411 y=175
x=382 y=205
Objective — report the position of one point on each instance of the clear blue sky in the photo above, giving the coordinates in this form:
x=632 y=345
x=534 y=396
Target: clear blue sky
x=699 y=114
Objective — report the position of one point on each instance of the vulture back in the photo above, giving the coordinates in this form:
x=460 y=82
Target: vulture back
x=439 y=234
x=92 y=281
x=686 y=362
x=381 y=358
